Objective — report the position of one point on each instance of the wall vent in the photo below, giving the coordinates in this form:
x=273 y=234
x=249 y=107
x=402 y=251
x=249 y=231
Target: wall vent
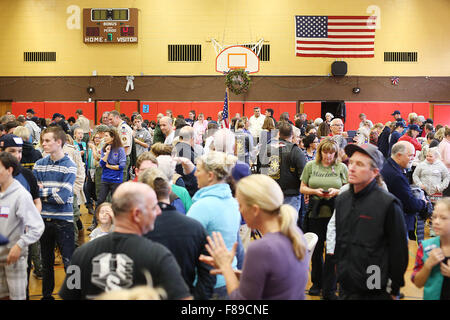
x=185 y=52
x=264 y=54
x=39 y=56
x=400 y=57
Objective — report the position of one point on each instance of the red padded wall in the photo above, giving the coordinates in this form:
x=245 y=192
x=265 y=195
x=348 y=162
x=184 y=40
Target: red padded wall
x=312 y=110
x=278 y=108
x=128 y=107
x=68 y=109
x=211 y=108
x=381 y=111
x=442 y=114
x=103 y=106
x=48 y=108
x=20 y=108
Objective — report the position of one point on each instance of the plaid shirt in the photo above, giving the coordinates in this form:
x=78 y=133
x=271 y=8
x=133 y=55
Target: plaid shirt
x=418 y=265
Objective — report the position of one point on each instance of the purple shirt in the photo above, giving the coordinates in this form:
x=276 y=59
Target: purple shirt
x=272 y=271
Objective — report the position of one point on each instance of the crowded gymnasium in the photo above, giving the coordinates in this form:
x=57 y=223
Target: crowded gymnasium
x=225 y=150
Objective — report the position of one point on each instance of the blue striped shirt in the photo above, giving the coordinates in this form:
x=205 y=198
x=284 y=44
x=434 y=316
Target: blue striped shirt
x=58 y=178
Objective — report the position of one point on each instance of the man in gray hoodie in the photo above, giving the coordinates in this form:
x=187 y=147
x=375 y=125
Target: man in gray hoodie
x=21 y=223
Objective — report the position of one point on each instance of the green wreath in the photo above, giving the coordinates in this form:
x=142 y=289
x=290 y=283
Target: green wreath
x=238 y=81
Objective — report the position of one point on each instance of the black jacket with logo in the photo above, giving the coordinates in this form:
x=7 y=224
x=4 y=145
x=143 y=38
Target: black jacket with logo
x=284 y=162
x=370 y=233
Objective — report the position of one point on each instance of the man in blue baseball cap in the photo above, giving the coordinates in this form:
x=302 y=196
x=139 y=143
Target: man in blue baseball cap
x=399 y=130
x=398 y=117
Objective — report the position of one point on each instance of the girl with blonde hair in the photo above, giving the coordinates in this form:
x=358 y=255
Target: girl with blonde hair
x=275 y=266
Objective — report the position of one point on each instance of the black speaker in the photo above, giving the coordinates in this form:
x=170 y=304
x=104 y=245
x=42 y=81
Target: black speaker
x=339 y=68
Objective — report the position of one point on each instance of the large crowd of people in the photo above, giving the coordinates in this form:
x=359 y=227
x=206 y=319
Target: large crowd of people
x=204 y=211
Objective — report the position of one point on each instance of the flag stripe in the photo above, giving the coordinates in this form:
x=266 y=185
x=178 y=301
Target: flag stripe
x=352 y=28
x=352 y=37
x=335 y=49
x=364 y=23
x=349 y=17
x=225 y=118
x=322 y=55
x=335 y=36
x=336 y=42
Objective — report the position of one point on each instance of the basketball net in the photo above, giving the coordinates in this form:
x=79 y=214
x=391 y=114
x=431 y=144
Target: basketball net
x=255 y=47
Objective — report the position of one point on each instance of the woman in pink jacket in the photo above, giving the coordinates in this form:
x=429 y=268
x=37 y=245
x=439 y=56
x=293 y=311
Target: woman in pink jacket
x=200 y=127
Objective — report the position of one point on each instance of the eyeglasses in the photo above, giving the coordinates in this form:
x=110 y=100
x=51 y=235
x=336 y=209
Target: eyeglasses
x=337 y=125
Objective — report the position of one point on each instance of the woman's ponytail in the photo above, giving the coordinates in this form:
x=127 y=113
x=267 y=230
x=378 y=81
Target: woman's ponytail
x=289 y=229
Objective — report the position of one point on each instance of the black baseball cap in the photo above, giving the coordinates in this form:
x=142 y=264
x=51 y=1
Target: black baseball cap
x=30 y=111
x=395 y=112
x=56 y=115
x=400 y=124
x=368 y=149
x=10 y=140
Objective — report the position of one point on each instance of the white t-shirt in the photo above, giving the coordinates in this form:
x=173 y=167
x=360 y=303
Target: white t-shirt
x=169 y=138
x=256 y=125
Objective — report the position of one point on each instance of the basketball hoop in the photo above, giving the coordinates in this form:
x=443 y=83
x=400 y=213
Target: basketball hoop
x=235 y=57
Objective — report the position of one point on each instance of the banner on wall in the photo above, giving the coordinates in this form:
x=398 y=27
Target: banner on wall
x=335 y=36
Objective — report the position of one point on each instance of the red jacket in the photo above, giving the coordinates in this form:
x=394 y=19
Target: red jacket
x=412 y=140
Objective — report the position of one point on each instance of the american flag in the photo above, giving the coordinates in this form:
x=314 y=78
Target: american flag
x=225 y=119
x=335 y=36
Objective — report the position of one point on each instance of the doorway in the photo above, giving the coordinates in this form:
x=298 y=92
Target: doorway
x=336 y=108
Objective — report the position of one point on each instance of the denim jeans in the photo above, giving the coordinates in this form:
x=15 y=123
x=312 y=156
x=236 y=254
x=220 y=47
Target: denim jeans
x=105 y=189
x=294 y=201
x=61 y=233
x=220 y=293
x=240 y=253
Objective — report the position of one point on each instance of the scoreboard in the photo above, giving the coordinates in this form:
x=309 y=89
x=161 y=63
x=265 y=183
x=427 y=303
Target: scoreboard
x=110 y=25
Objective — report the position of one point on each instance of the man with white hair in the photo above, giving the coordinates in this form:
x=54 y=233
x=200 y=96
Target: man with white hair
x=105 y=118
x=328 y=117
x=165 y=123
x=394 y=175
x=186 y=147
x=338 y=135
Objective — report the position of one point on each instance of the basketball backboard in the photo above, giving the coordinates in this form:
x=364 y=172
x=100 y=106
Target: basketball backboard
x=237 y=57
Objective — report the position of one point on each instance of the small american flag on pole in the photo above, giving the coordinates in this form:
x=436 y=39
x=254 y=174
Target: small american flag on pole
x=335 y=36
x=225 y=118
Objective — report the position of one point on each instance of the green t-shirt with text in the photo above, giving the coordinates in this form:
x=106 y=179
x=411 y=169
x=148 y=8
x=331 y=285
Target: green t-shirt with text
x=315 y=176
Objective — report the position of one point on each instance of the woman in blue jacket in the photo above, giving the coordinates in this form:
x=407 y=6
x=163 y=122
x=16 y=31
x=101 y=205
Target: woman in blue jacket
x=113 y=160
x=214 y=206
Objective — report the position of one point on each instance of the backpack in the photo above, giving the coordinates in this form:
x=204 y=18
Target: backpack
x=420 y=194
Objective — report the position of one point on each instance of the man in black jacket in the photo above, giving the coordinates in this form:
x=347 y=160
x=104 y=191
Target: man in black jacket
x=284 y=162
x=394 y=175
x=58 y=120
x=371 y=243
x=185 y=238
